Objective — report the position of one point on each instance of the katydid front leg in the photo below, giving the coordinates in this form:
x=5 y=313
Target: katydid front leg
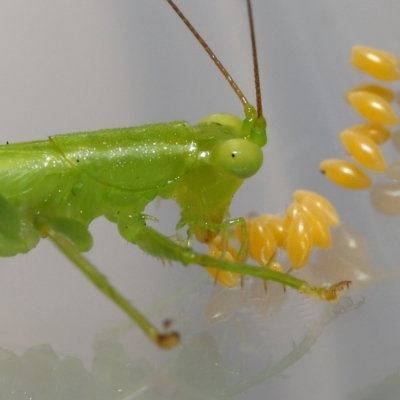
x=158 y=245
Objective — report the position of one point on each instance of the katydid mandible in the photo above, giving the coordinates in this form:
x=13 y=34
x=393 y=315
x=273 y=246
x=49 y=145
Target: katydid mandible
x=55 y=188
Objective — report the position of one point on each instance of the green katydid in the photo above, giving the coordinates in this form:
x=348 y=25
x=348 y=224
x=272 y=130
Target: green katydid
x=56 y=188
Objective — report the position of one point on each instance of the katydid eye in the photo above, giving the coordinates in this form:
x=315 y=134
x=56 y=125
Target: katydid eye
x=238 y=157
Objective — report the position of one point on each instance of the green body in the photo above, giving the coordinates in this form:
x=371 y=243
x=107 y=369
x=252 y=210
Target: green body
x=116 y=173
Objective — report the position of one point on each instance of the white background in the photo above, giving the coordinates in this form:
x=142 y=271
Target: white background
x=71 y=66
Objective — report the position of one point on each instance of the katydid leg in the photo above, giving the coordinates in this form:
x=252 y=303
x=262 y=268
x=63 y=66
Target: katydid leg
x=47 y=229
x=159 y=245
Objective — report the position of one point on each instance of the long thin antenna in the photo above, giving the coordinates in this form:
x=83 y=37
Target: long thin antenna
x=233 y=84
x=255 y=60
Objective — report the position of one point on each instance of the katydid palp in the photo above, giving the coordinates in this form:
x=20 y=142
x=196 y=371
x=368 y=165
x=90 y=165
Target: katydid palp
x=56 y=188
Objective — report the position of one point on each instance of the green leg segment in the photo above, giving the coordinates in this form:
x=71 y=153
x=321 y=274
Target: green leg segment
x=158 y=245
x=164 y=340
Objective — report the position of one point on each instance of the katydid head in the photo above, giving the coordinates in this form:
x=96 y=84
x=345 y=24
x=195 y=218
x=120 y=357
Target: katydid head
x=224 y=161
x=240 y=157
